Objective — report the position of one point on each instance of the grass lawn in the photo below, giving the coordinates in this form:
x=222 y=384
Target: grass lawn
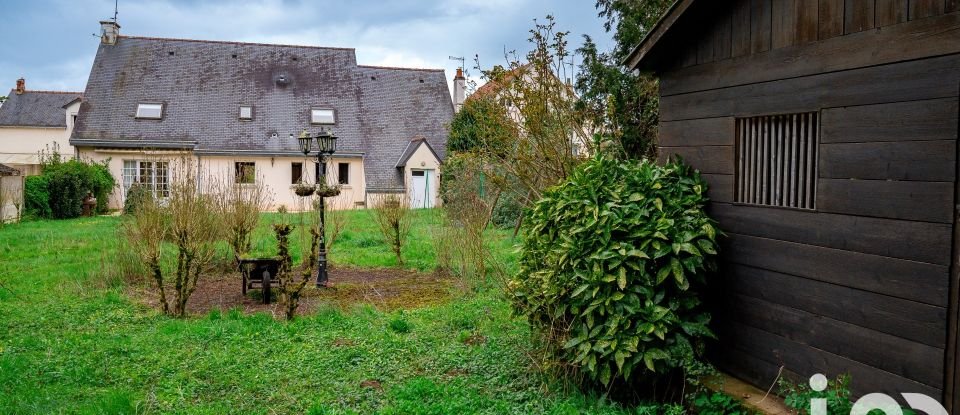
x=71 y=341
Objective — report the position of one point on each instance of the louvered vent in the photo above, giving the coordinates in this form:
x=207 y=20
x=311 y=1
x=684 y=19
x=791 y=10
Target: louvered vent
x=777 y=160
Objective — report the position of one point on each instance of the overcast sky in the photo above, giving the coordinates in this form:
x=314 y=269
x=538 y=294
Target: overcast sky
x=51 y=43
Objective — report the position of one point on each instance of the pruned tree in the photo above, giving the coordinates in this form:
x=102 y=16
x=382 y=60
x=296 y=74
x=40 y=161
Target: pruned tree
x=195 y=227
x=293 y=280
x=547 y=135
x=145 y=230
x=189 y=221
x=240 y=207
x=394 y=217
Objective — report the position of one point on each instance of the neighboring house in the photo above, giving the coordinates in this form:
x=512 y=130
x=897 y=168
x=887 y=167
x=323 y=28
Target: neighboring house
x=233 y=106
x=828 y=133
x=500 y=90
x=11 y=194
x=35 y=121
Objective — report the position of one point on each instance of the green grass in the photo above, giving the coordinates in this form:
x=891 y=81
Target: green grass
x=72 y=342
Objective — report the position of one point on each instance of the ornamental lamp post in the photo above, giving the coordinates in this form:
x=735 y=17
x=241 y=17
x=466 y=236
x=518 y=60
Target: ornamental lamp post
x=326 y=146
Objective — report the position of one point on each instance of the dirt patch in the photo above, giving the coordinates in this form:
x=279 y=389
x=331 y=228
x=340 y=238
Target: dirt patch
x=386 y=289
x=474 y=340
x=341 y=342
x=371 y=384
x=453 y=373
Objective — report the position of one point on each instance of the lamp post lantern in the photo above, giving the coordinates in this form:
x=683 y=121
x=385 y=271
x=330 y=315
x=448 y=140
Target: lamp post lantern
x=326 y=146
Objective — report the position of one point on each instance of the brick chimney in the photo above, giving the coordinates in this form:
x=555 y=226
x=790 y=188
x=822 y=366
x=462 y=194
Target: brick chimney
x=109 y=32
x=21 y=86
x=459 y=90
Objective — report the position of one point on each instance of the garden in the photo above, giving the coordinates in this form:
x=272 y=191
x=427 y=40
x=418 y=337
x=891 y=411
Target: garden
x=449 y=331
x=565 y=273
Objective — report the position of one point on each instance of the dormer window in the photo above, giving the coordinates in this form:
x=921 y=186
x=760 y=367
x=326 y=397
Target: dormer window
x=246 y=113
x=150 y=111
x=323 y=116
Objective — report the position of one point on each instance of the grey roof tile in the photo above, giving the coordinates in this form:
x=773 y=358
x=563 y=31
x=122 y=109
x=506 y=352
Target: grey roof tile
x=411 y=149
x=203 y=83
x=36 y=108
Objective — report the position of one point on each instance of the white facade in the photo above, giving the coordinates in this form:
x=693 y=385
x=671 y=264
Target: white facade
x=277 y=174
x=20 y=146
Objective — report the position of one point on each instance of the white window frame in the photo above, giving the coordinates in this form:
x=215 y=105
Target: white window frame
x=153 y=174
x=156 y=111
x=249 y=115
x=323 y=116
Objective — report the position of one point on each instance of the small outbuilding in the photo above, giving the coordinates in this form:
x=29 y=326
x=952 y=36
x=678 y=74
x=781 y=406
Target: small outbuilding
x=828 y=133
x=11 y=194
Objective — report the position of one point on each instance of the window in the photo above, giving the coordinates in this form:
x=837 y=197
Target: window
x=343 y=173
x=296 y=172
x=246 y=113
x=154 y=175
x=322 y=116
x=245 y=172
x=150 y=111
x=777 y=160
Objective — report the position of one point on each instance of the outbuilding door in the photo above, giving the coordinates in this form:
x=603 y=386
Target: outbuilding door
x=421 y=189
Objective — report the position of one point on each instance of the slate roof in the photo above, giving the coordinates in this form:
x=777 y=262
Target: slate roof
x=411 y=149
x=202 y=84
x=399 y=105
x=36 y=109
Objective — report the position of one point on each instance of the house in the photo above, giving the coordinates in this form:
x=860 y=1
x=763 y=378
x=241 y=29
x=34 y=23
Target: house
x=828 y=133
x=32 y=122
x=236 y=108
x=504 y=90
x=11 y=194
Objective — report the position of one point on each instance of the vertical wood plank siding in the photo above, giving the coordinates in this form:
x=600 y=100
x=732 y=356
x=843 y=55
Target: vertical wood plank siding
x=832 y=165
x=891 y=12
x=858 y=16
x=831 y=18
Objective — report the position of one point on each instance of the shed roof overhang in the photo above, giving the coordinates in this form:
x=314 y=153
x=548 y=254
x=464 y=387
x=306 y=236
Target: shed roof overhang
x=655 y=49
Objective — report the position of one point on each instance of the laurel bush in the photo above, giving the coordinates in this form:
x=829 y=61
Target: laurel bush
x=611 y=265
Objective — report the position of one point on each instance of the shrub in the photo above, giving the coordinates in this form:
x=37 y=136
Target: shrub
x=508 y=209
x=610 y=263
x=394 y=217
x=137 y=195
x=399 y=325
x=68 y=182
x=36 y=197
x=838 y=396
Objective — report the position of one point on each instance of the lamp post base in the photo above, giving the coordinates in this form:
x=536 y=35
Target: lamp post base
x=322 y=266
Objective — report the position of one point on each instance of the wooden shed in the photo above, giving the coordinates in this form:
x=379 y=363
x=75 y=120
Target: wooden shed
x=827 y=130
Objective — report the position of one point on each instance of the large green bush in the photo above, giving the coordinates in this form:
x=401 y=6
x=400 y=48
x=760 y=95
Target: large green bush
x=610 y=267
x=36 y=198
x=70 y=181
x=137 y=195
x=59 y=190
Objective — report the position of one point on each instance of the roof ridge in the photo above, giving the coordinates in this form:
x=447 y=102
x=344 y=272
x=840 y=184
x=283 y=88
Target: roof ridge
x=401 y=68
x=53 y=92
x=231 y=42
x=41 y=91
